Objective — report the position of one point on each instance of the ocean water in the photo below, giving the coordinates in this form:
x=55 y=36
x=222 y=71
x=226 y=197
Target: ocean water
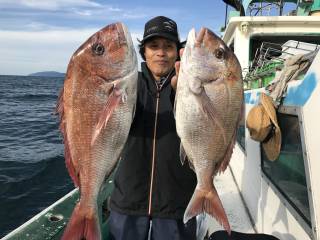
x=32 y=169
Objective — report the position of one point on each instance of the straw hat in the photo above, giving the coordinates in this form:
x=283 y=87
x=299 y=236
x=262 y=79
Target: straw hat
x=263 y=127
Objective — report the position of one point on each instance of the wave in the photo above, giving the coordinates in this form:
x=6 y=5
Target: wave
x=19 y=171
x=27 y=188
x=34 y=97
x=33 y=174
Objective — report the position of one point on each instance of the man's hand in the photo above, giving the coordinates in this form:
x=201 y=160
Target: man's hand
x=174 y=79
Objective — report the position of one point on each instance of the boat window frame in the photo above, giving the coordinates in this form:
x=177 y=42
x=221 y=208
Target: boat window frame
x=310 y=229
x=242 y=120
x=242 y=124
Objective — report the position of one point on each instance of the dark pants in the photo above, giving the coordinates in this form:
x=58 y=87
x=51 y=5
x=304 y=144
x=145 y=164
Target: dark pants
x=126 y=227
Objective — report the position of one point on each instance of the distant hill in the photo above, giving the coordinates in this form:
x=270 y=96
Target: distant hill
x=47 y=74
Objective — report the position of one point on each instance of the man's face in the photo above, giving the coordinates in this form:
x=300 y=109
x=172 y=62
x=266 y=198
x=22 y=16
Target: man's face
x=160 y=54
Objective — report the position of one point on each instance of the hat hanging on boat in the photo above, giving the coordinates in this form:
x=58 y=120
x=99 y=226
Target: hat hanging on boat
x=263 y=127
x=161 y=27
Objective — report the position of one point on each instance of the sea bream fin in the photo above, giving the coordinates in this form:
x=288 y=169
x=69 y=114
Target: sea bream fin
x=113 y=101
x=211 y=112
x=63 y=128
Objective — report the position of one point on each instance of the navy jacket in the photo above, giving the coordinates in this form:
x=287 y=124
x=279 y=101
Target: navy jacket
x=150 y=179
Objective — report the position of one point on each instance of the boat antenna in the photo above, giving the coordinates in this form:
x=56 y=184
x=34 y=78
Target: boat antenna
x=225 y=17
x=280 y=7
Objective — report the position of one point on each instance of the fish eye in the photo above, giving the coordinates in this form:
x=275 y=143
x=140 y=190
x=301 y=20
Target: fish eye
x=219 y=53
x=98 y=49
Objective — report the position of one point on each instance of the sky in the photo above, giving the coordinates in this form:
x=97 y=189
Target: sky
x=42 y=35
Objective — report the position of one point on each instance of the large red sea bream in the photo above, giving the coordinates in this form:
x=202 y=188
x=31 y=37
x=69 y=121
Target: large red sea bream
x=96 y=108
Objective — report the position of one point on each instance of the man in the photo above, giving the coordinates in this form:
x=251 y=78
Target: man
x=152 y=188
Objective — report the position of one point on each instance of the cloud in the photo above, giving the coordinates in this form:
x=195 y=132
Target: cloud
x=83 y=12
x=42 y=35
x=51 y=5
x=31 y=14
x=25 y=52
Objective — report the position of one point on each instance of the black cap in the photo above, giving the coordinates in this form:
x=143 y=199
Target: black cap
x=161 y=27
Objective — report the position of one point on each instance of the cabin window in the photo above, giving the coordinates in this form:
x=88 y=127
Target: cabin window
x=241 y=135
x=287 y=173
x=231 y=46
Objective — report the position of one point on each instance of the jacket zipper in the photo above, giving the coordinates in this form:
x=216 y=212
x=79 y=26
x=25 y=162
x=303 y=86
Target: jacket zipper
x=154 y=141
x=154 y=150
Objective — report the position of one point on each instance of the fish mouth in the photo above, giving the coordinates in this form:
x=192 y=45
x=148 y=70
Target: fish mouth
x=123 y=38
x=131 y=54
x=195 y=38
x=130 y=59
x=127 y=37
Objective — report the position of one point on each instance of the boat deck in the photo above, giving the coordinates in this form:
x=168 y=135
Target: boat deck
x=50 y=223
x=233 y=204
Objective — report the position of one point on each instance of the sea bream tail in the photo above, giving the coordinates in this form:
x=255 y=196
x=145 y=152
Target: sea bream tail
x=83 y=224
x=207 y=202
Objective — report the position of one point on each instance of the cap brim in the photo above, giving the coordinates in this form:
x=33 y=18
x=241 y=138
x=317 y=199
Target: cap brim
x=164 y=35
